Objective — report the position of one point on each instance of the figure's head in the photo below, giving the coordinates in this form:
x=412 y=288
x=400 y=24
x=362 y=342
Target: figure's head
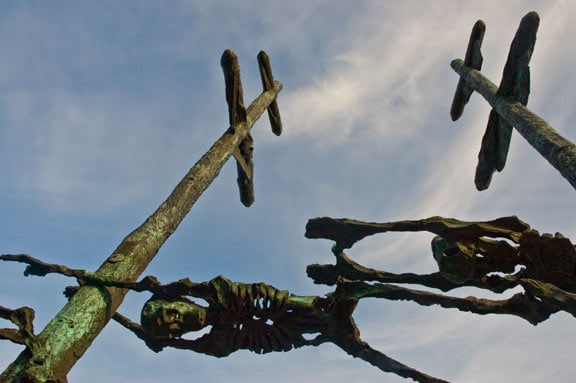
x=170 y=318
x=456 y=262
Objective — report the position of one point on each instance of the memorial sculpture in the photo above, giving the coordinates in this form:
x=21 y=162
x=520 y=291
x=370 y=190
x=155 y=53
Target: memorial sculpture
x=495 y=255
x=243 y=316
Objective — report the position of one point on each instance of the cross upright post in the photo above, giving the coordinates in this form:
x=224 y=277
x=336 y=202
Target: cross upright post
x=268 y=84
x=54 y=351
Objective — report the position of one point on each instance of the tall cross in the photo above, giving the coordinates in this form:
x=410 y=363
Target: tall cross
x=70 y=333
x=509 y=106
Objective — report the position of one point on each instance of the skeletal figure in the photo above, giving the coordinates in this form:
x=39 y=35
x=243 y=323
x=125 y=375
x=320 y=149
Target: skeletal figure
x=262 y=319
x=496 y=255
x=255 y=317
x=250 y=316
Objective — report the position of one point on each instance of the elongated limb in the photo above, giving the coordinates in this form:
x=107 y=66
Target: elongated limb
x=149 y=283
x=137 y=330
x=40 y=268
x=158 y=344
x=346 y=232
x=523 y=305
x=21 y=317
x=343 y=332
x=349 y=269
x=362 y=350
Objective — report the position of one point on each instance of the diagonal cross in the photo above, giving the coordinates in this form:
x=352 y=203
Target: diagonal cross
x=509 y=106
x=57 y=347
x=509 y=110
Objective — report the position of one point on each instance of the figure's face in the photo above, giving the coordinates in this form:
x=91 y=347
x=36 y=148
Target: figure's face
x=172 y=318
x=456 y=265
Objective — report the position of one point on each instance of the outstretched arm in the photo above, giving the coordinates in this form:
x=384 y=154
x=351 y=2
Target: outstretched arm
x=523 y=305
x=40 y=268
x=346 y=232
x=362 y=350
x=138 y=331
x=149 y=283
x=349 y=269
x=207 y=344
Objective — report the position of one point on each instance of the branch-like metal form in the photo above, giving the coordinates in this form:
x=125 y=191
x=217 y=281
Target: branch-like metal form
x=346 y=232
x=69 y=334
x=362 y=350
x=23 y=318
x=257 y=317
x=39 y=268
x=521 y=305
x=468 y=254
x=346 y=268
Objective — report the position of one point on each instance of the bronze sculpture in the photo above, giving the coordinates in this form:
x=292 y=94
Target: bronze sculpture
x=495 y=255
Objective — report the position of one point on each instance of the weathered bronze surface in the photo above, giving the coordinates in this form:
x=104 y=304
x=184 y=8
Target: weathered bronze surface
x=494 y=255
x=509 y=108
x=243 y=316
x=69 y=334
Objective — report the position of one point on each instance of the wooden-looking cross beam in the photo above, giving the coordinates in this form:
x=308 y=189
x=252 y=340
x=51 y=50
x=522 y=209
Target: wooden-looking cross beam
x=268 y=84
x=509 y=107
x=473 y=59
x=237 y=115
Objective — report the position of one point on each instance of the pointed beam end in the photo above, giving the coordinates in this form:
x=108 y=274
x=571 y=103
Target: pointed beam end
x=482 y=179
x=246 y=191
x=478 y=31
x=229 y=61
x=245 y=170
x=245 y=186
x=234 y=94
x=532 y=17
x=460 y=100
x=263 y=57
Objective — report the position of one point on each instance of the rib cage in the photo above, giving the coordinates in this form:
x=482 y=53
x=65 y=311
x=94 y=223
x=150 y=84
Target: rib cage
x=263 y=320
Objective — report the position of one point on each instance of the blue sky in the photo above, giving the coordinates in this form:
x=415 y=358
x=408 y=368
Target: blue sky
x=105 y=106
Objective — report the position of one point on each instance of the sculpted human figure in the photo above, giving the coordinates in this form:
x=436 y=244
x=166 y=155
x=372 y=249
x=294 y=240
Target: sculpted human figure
x=242 y=316
x=256 y=317
x=259 y=318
